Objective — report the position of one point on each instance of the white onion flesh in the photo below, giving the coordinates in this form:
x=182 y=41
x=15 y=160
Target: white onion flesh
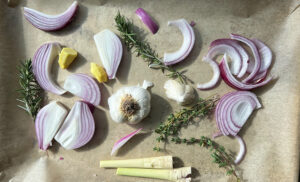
x=84 y=87
x=110 y=51
x=78 y=128
x=187 y=45
x=42 y=64
x=216 y=75
x=47 y=123
x=50 y=22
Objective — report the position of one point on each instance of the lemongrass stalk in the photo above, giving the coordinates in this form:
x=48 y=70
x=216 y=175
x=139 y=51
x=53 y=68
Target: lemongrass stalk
x=163 y=162
x=178 y=174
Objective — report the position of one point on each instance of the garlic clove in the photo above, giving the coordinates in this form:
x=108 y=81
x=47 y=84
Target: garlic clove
x=183 y=94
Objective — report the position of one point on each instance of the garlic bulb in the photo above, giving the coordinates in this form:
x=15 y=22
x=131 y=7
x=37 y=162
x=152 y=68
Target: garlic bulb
x=131 y=104
x=183 y=94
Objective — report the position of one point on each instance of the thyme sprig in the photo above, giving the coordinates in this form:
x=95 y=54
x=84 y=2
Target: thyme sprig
x=172 y=126
x=143 y=49
x=30 y=91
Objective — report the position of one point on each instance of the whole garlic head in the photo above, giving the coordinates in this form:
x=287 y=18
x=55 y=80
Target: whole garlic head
x=131 y=104
x=183 y=94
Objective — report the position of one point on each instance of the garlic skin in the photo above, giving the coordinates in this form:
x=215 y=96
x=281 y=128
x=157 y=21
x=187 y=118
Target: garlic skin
x=183 y=94
x=130 y=104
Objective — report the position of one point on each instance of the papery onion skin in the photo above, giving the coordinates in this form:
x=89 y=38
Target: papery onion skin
x=78 y=128
x=187 y=45
x=233 y=82
x=41 y=67
x=47 y=123
x=46 y=22
x=147 y=20
x=110 y=51
x=84 y=87
x=123 y=141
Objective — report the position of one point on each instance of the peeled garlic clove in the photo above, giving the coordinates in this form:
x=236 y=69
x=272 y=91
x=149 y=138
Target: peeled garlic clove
x=183 y=94
x=130 y=104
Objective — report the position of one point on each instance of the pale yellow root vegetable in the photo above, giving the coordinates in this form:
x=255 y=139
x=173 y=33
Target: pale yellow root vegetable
x=165 y=162
x=179 y=174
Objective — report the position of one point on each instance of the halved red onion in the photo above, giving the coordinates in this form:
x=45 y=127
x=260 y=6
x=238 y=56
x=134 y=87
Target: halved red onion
x=244 y=55
x=78 y=128
x=110 y=51
x=216 y=75
x=187 y=45
x=255 y=52
x=221 y=49
x=265 y=56
x=47 y=123
x=123 y=140
x=147 y=20
x=50 y=22
x=233 y=110
x=42 y=64
x=84 y=87
x=242 y=151
x=233 y=82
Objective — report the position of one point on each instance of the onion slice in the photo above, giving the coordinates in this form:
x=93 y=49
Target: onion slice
x=242 y=52
x=216 y=75
x=110 y=51
x=123 y=140
x=187 y=45
x=147 y=20
x=255 y=52
x=78 y=128
x=84 y=87
x=47 y=123
x=265 y=55
x=242 y=151
x=233 y=82
x=50 y=22
x=41 y=66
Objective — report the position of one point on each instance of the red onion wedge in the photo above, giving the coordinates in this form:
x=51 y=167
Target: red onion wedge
x=255 y=52
x=110 y=51
x=50 y=22
x=233 y=82
x=84 y=87
x=123 y=140
x=242 y=151
x=233 y=110
x=78 y=128
x=147 y=20
x=216 y=75
x=242 y=52
x=47 y=123
x=41 y=66
x=221 y=49
x=187 y=45
x=265 y=55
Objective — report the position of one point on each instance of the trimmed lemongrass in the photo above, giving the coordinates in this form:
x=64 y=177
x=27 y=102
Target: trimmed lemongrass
x=165 y=162
x=166 y=174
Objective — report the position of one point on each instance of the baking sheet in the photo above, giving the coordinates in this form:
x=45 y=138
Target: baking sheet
x=271 y=134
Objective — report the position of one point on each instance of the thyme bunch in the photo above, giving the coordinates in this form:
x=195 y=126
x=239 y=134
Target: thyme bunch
x=172 y=126
x=30 y=91
x=143 y=48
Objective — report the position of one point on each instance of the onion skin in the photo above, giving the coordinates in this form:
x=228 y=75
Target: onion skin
x=46 y=22
x=146 y=19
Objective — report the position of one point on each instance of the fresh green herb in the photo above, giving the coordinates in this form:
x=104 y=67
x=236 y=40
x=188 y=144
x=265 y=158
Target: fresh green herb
x=172 y=126
x=30 y=92
x=143 y=49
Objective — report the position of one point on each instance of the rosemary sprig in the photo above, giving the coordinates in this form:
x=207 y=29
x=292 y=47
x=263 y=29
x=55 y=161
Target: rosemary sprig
x=143 y=48
x=172 y=126
x=30 y=92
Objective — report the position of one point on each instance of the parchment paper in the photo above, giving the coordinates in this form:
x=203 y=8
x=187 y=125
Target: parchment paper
x=271 y=134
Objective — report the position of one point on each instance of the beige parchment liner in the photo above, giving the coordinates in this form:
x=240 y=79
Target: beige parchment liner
x=271 y=134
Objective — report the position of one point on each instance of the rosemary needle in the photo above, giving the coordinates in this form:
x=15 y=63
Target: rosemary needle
x=30 y=92
x=143 y=49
